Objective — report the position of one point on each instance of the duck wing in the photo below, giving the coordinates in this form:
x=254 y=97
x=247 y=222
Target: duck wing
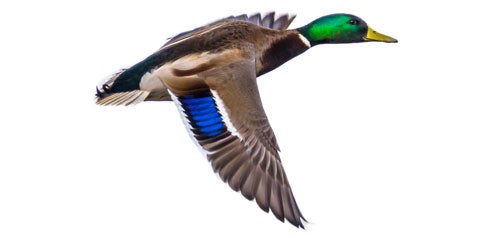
x=268 y=20
x=219 y=101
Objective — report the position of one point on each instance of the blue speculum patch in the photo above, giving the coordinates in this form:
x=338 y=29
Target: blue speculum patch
x=203 y=114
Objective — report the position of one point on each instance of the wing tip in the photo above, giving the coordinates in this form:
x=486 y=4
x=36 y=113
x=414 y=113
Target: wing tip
x=270 y=19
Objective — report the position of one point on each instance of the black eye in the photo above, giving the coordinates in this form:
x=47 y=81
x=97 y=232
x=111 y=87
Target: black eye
x=353 y=22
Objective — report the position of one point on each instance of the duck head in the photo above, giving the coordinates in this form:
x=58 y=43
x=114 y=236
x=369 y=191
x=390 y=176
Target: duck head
x=341 y=28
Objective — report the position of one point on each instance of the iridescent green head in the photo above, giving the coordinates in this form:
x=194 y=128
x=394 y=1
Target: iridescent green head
x=341 y=28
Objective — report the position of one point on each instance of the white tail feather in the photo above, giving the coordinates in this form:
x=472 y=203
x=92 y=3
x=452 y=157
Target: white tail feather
x=123 y=98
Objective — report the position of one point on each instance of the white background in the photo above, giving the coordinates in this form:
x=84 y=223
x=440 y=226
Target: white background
x=378 y=140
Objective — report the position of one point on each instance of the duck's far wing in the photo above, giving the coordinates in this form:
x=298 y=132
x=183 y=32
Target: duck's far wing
x=225 y=117
x=281 y=22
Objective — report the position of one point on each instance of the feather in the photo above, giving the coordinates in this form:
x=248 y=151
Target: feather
x=256 y=19
x=249 y=187
x=268 y=20
x=123 y=98
x=239 y=177
x=276 y=202
x=230 y=169
x=263 y=193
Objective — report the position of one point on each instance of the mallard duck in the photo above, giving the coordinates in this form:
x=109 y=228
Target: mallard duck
x=210 y=74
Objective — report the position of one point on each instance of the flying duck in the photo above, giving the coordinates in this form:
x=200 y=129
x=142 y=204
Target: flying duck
x=210 y=75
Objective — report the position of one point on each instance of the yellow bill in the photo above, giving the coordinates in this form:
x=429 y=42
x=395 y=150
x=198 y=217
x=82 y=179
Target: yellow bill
x=372 y=35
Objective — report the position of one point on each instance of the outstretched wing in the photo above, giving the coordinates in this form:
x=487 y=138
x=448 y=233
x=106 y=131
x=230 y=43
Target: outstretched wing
x=221 y=107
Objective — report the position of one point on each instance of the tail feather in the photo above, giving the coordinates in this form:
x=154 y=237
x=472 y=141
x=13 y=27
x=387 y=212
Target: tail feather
x=105 y=97
x=123 y=98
